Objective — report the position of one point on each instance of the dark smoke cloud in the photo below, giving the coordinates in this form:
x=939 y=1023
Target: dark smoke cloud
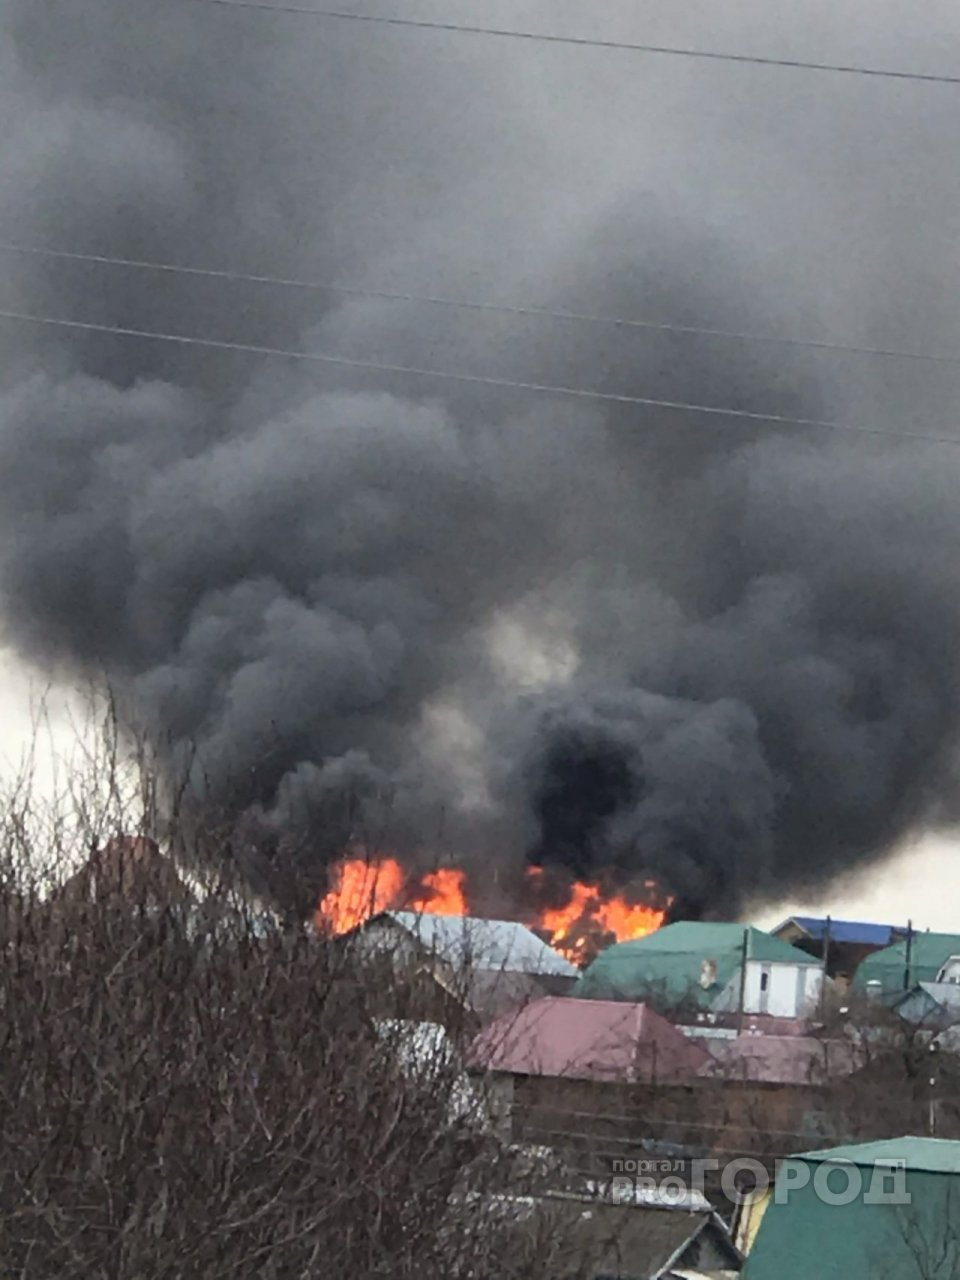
x=608 y=638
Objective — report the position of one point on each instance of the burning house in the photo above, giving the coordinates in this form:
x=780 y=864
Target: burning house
x=473 y=967
x=577 y=919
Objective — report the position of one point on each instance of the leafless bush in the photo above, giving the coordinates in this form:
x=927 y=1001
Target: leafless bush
x=200 y=1089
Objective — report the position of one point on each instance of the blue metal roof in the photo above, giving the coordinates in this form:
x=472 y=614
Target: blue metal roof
x=855 y=931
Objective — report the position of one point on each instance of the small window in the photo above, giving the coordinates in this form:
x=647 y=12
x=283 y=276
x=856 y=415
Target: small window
x=764 y=981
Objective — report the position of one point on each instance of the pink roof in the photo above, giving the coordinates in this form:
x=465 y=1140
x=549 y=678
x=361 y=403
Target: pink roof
x=587 y=1040
x=781 y=1059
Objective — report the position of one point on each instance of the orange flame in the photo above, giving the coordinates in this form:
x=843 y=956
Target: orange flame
x=573 y=927
x=446 y=894
x=362 y=888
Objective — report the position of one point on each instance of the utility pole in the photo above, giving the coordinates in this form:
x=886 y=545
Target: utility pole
x=908 y=956
x=826 y=962
x=744 y=957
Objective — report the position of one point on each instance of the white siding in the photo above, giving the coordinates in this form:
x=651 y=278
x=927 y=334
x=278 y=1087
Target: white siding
x=781 y=990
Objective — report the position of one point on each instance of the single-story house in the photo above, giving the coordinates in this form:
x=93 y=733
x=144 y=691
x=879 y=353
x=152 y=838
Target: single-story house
x=863 y=1212
x=717 y=967
x=604 y=1040
x=466 y=964
x=593 y=1080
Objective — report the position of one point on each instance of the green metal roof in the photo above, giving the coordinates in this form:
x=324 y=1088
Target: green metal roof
x=668 y=963
x=931 y=1155
x=927 y=953
x=872 y=1236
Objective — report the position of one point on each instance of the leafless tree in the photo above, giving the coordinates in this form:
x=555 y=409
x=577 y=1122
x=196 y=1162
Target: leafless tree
x=198 y=1087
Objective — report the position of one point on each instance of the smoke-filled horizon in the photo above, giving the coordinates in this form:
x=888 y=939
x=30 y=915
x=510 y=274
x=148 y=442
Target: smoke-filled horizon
x=609 y=638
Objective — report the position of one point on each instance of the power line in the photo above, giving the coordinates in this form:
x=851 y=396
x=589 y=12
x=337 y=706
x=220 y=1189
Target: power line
x=467 y=304
x=475 y=379
x=594 y=42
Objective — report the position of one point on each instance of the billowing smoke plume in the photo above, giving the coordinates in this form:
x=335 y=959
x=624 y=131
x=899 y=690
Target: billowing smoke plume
x=614 y=637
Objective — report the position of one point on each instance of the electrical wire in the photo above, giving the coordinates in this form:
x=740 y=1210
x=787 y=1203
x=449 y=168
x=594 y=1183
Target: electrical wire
x=474 y=379
x=466 y=304
x=594 y=42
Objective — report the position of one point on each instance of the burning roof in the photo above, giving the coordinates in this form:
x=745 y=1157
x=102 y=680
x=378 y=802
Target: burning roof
x=578 y=919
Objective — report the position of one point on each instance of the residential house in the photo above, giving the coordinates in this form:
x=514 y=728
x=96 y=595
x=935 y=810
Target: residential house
x=920 y=957
x=721 y=968
x=463 y=965
x=887 y=1210
x=841 y=945
x=594 y=1080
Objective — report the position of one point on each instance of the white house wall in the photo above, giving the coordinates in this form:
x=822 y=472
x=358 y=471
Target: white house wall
x=790 y=991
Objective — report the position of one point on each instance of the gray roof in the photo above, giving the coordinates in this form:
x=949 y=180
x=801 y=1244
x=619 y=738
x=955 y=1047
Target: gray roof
x=484 y=944
x=936 y=1002
x=945 y=993
x=632 y=1242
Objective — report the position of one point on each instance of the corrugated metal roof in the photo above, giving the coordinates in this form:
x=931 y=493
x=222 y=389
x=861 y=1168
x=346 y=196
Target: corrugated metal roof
x=946 y=994
x=928 y=1155
x=860 y=1237
x=484 y=944
x=669 y=963
x=595 y=1040
x=928 y=951
x=853 y=931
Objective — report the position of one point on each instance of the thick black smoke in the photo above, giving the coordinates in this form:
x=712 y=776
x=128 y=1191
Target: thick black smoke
x=613 y=637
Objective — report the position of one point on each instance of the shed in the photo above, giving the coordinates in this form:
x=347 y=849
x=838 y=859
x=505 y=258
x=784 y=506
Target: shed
x=701 y=965
x=864 y=1212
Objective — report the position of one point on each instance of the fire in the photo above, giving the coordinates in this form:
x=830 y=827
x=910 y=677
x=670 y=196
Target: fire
x=445 y=894
x=588 y=913
x=363 y=887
